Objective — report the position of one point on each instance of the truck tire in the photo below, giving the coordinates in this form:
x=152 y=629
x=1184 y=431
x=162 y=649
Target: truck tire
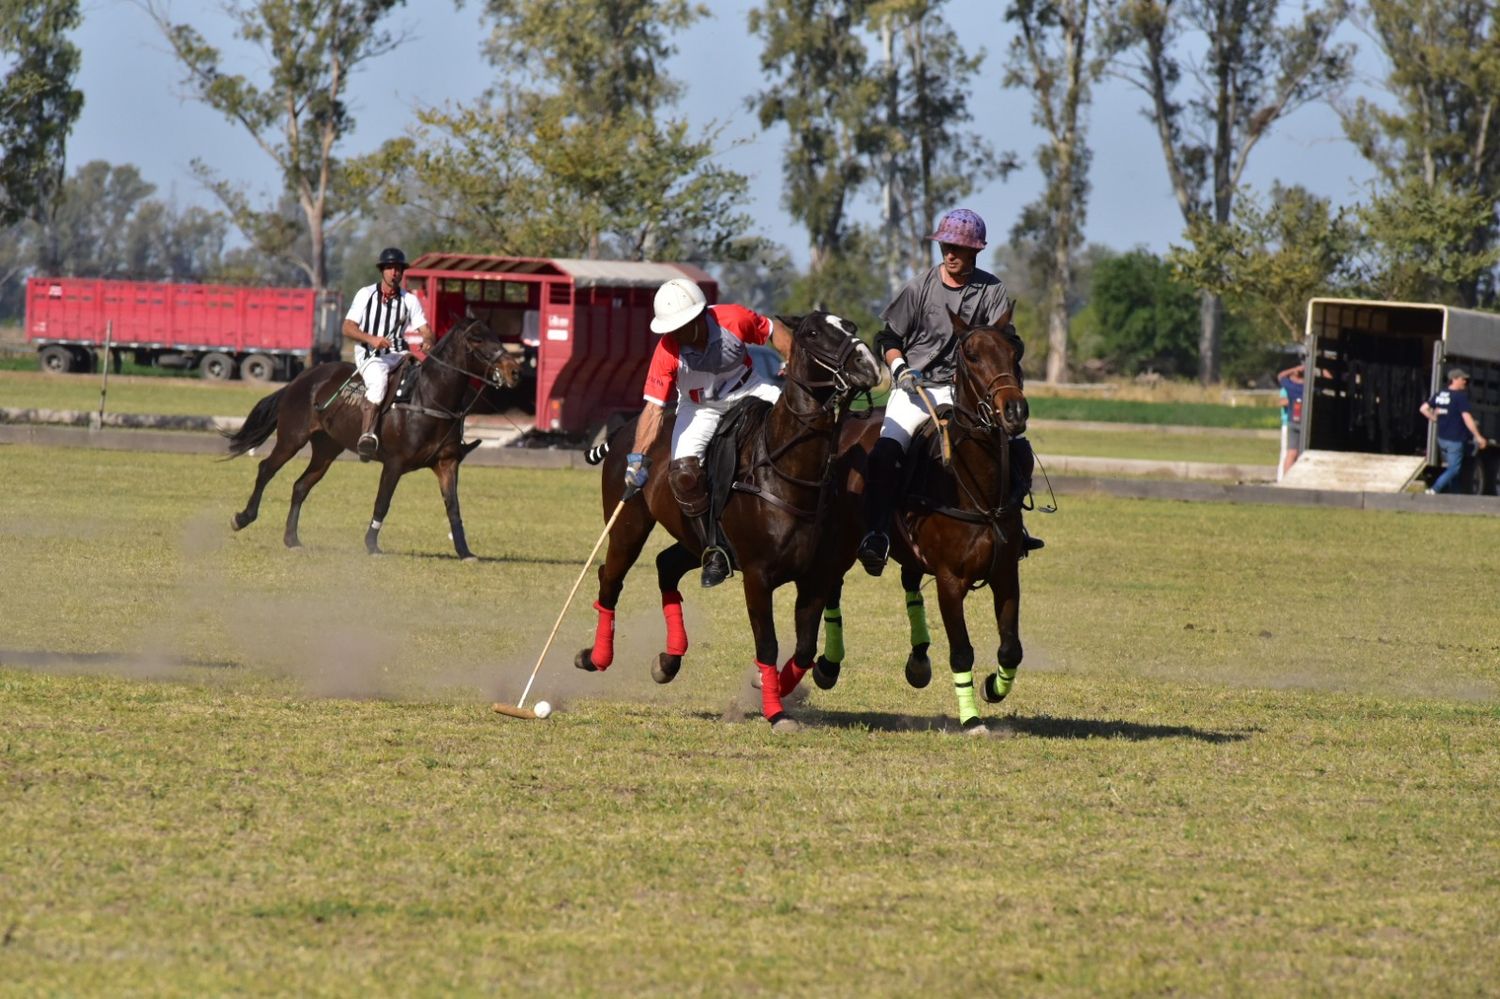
x=258 y=368
x=55 y=359
x=216 y=367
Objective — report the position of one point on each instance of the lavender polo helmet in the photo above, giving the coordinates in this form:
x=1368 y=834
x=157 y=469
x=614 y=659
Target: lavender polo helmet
x=962 y=228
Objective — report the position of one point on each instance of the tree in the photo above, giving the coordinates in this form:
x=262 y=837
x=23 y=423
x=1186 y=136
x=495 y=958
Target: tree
x=38 y=104
x=297 y=115
x=574 y=153
x=1267 y=261
x=1253 y=71
x=822 y=89
x=1049 y=56
x=1147 y=318
x=927 y=158
x=1437 y=153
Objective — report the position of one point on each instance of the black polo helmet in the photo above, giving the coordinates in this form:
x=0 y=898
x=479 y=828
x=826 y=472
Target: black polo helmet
x=391 y=257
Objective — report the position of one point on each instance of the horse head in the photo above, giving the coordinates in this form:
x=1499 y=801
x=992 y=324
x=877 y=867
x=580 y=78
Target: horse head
x=988 y=387
x=827 y=353
x=485 y=355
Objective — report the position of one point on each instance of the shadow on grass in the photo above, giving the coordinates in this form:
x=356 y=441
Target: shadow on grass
x=1041 y=726
x=39 y=659
x=494 y=559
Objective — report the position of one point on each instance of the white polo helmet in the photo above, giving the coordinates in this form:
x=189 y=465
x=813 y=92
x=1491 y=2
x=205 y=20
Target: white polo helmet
x=678 y=302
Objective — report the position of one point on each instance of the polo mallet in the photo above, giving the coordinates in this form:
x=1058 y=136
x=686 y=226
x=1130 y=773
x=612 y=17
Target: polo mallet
x=942 y=426
x=519 y=709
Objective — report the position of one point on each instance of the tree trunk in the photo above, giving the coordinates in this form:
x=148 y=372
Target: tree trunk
x=1211 y=315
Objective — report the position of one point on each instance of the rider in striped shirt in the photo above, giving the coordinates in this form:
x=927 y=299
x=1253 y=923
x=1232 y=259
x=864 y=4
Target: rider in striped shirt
x=386 y=322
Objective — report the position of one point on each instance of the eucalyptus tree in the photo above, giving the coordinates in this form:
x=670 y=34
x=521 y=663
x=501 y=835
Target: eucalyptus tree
x=1437 y=151
x=296 y=111
x=1218 y=75
x=575 y=151
x=38 y=103
x=1050 y=56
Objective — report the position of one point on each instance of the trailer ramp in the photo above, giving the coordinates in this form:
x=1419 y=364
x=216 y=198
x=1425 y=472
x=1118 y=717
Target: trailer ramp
x=1352 y=471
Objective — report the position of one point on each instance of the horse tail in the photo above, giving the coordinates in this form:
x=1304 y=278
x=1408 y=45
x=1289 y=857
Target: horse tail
x=259 y=425
x=596 y=453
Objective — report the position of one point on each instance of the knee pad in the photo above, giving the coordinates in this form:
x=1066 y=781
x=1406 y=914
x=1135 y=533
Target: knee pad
x=689 y=485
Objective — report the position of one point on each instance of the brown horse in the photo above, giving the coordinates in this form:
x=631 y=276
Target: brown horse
x=774 y=519
x=959 y=521
x=423 y=432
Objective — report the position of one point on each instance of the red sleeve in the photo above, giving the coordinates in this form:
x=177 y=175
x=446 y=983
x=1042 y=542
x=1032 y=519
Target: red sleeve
x=749 y=326
x=661 y=377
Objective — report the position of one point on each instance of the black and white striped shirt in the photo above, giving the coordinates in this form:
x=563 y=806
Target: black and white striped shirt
x=391 y=318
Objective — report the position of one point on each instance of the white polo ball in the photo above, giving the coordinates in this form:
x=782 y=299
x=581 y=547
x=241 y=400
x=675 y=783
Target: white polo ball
x=542 y=709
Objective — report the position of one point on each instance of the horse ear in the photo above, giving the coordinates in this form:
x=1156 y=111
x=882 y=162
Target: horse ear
x=959 y=326
x=793 y=323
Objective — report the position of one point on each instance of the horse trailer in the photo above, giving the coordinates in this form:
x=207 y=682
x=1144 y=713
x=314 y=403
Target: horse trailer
x=1369 y=367
x=583 y=326
x=262 y=334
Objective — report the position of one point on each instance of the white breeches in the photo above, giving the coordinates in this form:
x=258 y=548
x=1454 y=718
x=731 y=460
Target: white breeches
x=905 y=413
x=376 y=371
x=697 y=421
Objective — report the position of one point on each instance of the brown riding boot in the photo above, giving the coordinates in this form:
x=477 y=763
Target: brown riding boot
x=368 y=442
x=690 y=489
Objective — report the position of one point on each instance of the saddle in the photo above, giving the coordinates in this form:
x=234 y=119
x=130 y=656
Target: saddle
x=398 y=387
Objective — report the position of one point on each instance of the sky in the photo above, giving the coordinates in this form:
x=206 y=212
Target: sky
x=135 y=111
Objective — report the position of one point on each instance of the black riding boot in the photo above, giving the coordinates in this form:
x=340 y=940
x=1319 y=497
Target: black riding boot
x=368 y=442
x=880 y=494
x=690 y=489
x=1022 y=464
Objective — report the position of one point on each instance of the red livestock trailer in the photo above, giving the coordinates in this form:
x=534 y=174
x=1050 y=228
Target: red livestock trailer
x=584 y=324
x=264 y=334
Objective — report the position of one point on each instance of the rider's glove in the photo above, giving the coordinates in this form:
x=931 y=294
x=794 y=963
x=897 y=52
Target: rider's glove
x=904 y=375
x=637 y=470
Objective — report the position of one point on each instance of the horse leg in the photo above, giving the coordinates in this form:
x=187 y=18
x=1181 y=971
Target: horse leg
x=951 y=592
x=287 y=445
x=1006 y=587
x=390 y=474
x=626 y=539
x=918 y=665
x=758 y=603
x=809 y=607
x=447 y=476
x=671 y=565
x=826 y=669
x=324 y=450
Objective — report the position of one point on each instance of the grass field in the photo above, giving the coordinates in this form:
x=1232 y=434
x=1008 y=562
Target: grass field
x=1252 y=750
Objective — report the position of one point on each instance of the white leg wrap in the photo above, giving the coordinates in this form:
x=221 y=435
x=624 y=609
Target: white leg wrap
x=374 y=525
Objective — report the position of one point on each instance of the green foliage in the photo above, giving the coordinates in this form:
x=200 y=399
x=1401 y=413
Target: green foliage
x=297 y=112
x=1267 y=261
x=846 y=284
x=572 y=154
x=1146 y=318
x=38 y=104
x=1433 y=222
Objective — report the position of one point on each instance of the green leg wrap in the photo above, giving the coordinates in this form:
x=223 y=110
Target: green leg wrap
x=1004 y=679
x=833 y=635
x=963 y=686
x=916 y=613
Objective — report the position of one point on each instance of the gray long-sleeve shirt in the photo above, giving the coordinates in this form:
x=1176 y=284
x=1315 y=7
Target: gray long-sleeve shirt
x=917 y=323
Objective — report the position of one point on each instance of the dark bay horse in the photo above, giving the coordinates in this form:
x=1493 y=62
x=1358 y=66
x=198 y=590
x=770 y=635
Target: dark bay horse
x=424 y=431
x=775 y=518
x=959 y=522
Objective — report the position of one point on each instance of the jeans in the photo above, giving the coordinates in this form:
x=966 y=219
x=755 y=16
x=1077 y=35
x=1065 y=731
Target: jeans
x=1453 y=457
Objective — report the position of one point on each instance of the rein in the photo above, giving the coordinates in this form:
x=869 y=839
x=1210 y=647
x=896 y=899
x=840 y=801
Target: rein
x=437 y=412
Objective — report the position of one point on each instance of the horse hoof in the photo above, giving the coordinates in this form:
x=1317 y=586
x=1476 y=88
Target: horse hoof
x=918 y=667
x=666 y=667
x=825 y=673
x=470 y=558
x=585 y=661
x=976 y=728
x=785 y=726
x=987 y=690
x=235 y=523
x=291 y=543
x=797 y=695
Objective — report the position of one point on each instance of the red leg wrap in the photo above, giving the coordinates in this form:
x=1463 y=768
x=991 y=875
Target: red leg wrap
x=791 y=675
x=604 y=638
x=770 y=692
x=671 y=609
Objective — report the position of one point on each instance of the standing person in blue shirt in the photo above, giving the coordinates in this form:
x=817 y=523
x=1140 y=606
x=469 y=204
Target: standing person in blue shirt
x=1293 y=389
x=1450 y=410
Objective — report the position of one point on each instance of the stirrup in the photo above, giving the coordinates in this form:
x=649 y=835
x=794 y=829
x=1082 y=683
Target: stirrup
x=874 y=549
x=715 y=566
x=367 y=446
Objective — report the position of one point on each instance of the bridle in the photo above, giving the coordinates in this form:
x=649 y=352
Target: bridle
x=820 y=420
x=981 y=420
x=489 y=376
